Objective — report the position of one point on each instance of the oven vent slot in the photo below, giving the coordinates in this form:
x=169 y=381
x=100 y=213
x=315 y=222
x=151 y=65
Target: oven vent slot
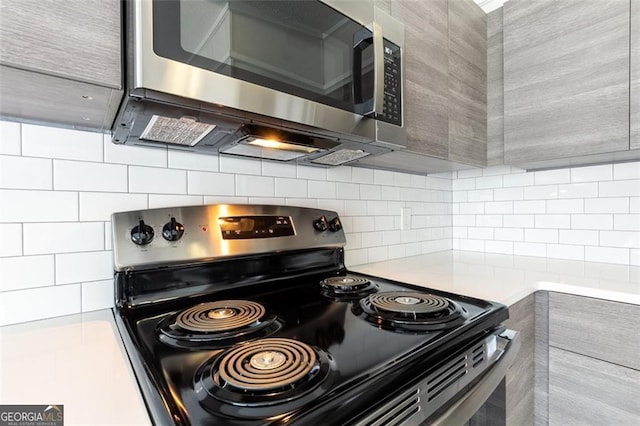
x=395 y=412
x=478 y=355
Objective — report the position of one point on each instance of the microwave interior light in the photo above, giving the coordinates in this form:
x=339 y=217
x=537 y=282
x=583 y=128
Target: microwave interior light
x=274 y=144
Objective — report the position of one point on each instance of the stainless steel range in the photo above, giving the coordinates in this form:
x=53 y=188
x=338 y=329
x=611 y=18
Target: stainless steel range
x=247 y=315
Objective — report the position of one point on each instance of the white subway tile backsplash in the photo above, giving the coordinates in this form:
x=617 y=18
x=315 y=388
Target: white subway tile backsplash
x=460 y=197
x=552 y=176
x=136 y=155
x=210 y=183
x=314 y=173
x=378 y=254
x=38 y=206
x=493 y=220
x=25 y=272
x=480 y=195
x=626 y=171
x=438 y=183
x=559 y=221
x=34 y=304
x=390 y=193
x=499 y=207
x=11 y=240
x=371 y=239
x=606 y=205
x=50 y=142
x=155 y=180
x=97 y=295
x=541 y=235
x=356 y=257
x=469 y=173
x=634 y=255
x=377 y=208
x=157 y=201
x=634 y=204
x=463 y=184
x=592 y=173
x=404 y=179
x=108 y=237
x=370 y=192
x=480 y=233
x=619 y=188
x=382 y=177
x=355 y=208
x=286 y=187
x=510 y=194
x=10 y=138
x=579 y=237
x=339 y=174
x=500 y=170
x=96 y=206
x=630 y=239
x=360 y=175
x=607 y=255
x=530 y=249
x=25 y=173
x=81 y=267
x=464 y=220
x=565 y=206
x=299 y=202
x=254 y=186
x=48 y=238
x=542 y=192
x=320 y=189
x=391 y=237
x=578 y=190
x=348 y=191
x=232 y=164
x=471 y=245
x=187 y=160
x=334 y=205
x=471 y=208
x=518 y=221
x=509 y=234
x=626 y=222
x=592 y=221
x=363 y=224
x=418 y=181
x=518 y=179
x=502 y=247
x=565 y=251
x=489 y=182
x=84 y=176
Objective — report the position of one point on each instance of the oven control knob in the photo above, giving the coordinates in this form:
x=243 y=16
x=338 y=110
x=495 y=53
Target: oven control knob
x=173 y=230
x=142 y=234
x=335 y=225
x=321 y=224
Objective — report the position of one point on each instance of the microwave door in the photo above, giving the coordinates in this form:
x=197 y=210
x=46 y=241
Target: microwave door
x=368 y=71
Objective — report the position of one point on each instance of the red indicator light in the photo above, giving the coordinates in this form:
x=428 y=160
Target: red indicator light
x=204 y=229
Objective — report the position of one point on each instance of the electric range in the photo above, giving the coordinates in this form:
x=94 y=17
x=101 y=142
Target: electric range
x=247 y=315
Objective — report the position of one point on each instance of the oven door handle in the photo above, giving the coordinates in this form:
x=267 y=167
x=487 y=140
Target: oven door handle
x=466 y=406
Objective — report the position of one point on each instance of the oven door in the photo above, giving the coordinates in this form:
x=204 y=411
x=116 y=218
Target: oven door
x=319 y=63
x=455 y=390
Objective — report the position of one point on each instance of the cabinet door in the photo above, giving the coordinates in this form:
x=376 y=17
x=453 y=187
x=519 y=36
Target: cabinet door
x=495 y=90
x=74 y=39
x=426 y=74
x=587 y=391
x=635 y=75
x=566 y=78
x=467 y=83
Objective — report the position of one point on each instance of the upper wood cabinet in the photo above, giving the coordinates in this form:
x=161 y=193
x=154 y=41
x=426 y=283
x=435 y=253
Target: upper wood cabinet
x=445 y=78
x=566 y=81
x=635 y=75
x=61 y=61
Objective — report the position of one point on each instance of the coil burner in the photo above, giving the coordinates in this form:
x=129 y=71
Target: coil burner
x=218 y=323
x=347 y=287
x=411 y=311
x=264 y=374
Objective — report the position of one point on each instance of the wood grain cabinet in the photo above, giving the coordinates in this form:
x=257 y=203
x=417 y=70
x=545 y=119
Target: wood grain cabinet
x=567 y=81
x=635 y=75
x=445 y=78
x=61 y=61
x=593 y=365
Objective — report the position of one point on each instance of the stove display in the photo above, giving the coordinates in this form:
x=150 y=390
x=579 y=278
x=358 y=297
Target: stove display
x=411 y=311
x=217 y=323
x=347 y=287
x=273 y=329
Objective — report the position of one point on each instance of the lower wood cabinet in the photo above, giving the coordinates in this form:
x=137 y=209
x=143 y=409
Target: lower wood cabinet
x=589 y=391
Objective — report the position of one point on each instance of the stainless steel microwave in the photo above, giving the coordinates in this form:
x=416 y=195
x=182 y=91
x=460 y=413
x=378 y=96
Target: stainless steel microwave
x=305 y=80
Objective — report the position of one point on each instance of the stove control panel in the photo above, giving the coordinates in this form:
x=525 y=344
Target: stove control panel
x=184 y=235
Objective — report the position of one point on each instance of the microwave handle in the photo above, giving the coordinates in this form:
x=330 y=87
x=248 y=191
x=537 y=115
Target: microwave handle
x=362 y=40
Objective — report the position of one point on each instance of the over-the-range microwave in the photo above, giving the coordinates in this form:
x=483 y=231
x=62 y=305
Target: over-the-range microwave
x=319 y=82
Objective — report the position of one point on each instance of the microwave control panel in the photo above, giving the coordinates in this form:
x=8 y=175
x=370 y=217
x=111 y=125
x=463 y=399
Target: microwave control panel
x=392 y=107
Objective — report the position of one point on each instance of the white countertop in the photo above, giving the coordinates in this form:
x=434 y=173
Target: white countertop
x=508 y=279
x=79 y=361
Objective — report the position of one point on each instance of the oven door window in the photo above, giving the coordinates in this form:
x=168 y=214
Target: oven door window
x=303 y=48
